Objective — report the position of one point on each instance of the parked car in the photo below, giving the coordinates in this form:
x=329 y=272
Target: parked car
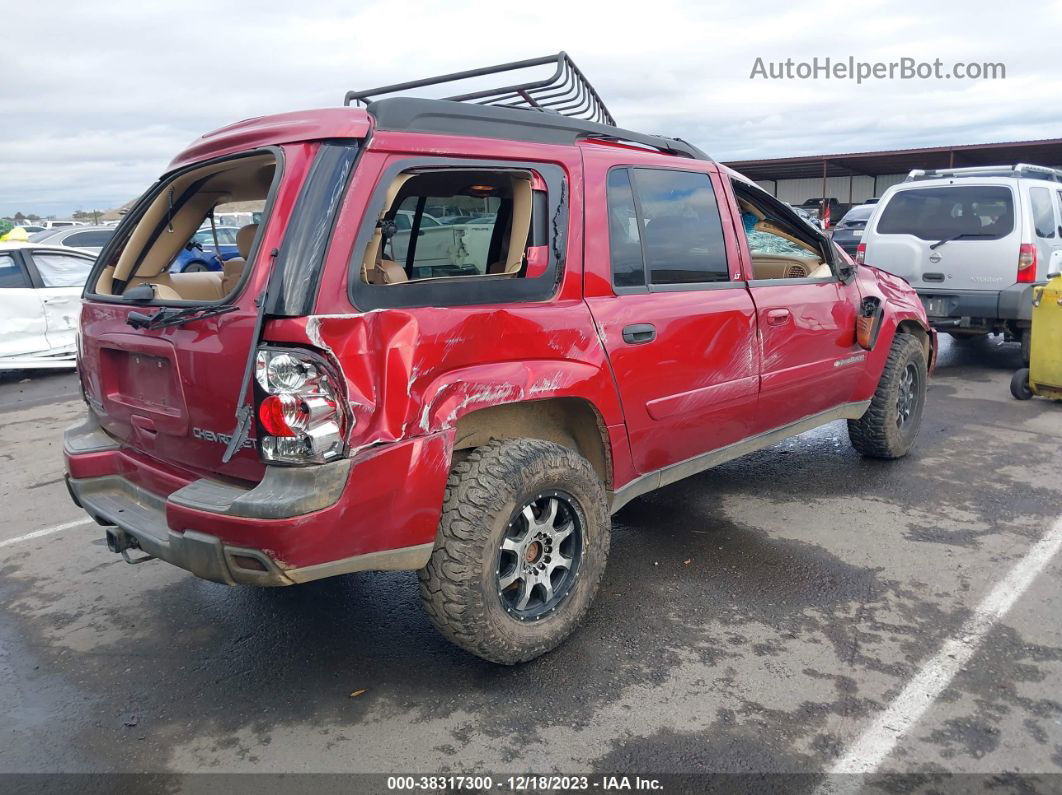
x=203 y=246
x=973 y=242
x=91 y=239
x=325 y=409
x=62 y=224
x=29 y=229
x=40 y=297
x=812 y=219
x=849 y=230
x=814 y=206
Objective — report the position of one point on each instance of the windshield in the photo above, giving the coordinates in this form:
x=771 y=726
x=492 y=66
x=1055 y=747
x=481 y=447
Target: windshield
x=983 y=212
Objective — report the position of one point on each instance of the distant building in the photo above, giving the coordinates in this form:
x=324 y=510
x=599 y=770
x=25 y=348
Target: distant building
x=854 y=177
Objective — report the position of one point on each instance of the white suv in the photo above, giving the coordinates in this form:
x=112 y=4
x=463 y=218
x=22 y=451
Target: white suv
x=972 y=242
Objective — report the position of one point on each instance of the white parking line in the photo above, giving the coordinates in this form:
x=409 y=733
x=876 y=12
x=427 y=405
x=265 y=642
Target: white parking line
x=875 y=744
x=46 y=531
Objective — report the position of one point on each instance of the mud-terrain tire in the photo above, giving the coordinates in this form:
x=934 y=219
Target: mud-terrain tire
x=484 y=518
x=1019 y=385
x=889 y=426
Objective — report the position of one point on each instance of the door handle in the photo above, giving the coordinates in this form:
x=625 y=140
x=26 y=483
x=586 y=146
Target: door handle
x=777 y=317
x=639 y=333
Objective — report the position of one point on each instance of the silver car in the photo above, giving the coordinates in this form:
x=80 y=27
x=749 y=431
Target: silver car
x=973 y=242
x=90 y=239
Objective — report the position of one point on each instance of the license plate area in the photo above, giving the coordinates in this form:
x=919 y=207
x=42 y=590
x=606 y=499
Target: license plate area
x=141 y=380
x=141 y=383
x=937 y=307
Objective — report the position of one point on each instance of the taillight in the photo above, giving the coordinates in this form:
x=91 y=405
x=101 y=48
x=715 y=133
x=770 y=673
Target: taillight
x=861 y=253
x=1027 y=263
x=299 y=416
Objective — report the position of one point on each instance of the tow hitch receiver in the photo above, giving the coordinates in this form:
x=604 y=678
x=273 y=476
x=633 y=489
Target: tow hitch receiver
x=120 y=541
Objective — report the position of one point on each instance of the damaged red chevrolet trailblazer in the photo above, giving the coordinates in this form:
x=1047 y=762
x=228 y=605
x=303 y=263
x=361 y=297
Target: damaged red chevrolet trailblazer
x=462 y=334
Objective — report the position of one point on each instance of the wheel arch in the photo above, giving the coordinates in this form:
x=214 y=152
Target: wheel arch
x=923 y=334
x=573 y=422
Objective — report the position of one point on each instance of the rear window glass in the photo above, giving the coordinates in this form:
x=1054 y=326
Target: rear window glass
x=683 y=231
x=624 y=235
x=984 y=212
x=861 y=213
x=93 y=239
x=1043 y=212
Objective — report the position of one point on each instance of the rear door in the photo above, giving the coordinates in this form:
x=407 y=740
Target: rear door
x=22 y=327
x=1047 y=229
x=62 y=278
x=978 y=221
x=675 y=317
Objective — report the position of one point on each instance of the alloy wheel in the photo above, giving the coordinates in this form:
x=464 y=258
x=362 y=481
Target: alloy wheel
x=539 y=556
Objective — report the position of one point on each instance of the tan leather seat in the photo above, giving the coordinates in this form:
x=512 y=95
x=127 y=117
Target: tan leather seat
x=388 y=272
x=233 y=268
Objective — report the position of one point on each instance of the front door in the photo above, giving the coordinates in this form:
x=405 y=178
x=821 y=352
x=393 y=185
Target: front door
x=810 y=361
x=677 y=322
x=22 y=332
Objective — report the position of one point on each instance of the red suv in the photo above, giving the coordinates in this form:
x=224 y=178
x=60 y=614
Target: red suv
x=366 y=386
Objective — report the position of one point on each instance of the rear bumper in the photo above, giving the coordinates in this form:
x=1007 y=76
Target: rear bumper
x=298 y=524
x=974 y=308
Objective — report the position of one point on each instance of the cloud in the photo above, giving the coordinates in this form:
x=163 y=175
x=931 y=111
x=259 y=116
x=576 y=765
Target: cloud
x=97 y=99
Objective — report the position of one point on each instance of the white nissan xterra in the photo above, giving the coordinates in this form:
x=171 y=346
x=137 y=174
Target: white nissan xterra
x=973 y=242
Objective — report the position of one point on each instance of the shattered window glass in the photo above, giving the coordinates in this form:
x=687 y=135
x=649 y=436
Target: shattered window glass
x=766 y=243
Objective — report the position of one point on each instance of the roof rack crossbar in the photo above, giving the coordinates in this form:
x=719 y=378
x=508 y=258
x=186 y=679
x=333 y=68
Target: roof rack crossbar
x=566 y=92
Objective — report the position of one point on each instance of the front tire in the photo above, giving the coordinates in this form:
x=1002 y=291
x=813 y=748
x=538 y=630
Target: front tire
x=520 y=550
x=195 y=267
x=890 y=425
x=1019 y=385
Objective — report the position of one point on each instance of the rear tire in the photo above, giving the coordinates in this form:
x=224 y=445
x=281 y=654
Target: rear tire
x=1019 y=385
x=486 y=557
x=1026 y=345
x=890 y=425
x=195 y=267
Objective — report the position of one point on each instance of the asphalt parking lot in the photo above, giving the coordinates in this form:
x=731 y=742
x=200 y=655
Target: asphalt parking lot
x=755 y=619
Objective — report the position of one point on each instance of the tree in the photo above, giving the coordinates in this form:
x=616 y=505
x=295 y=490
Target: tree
x=19 y=218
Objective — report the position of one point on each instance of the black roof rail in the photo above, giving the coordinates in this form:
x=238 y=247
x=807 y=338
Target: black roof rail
x=411 y=114
x=566 y=92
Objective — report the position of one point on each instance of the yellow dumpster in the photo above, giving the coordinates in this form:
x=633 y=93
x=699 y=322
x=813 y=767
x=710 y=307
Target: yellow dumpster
x=1043 y=376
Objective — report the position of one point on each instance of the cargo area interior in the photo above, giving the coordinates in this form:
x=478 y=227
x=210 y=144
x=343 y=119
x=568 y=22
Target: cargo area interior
x=453 y=223
x=779 y=249
x=171 y=220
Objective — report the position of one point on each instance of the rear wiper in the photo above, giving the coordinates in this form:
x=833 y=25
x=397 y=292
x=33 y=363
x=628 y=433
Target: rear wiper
x=959 y=236
x=166 y=317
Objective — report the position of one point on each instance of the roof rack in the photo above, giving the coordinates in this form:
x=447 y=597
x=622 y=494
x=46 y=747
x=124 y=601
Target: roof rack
x=566 y=92
x=1017 y=170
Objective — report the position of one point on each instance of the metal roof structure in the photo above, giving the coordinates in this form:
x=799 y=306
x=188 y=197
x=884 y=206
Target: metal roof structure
x=1046 y=152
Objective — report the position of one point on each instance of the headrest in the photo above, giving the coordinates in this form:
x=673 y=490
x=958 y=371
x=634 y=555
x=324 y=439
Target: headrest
x=244 y=239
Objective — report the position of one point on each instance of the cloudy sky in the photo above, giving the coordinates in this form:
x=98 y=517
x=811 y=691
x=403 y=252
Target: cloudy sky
x=98 y=97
